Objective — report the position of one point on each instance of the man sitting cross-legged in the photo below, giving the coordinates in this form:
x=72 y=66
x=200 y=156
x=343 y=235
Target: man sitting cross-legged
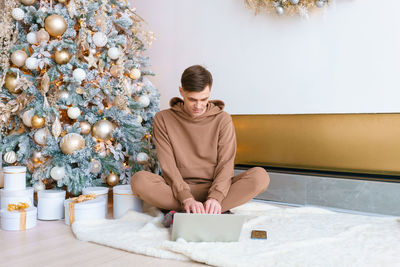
x=196 y=146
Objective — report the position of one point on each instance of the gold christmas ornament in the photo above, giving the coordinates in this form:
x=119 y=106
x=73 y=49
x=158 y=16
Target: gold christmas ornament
x=55 y=25
x=79 y=90
x=28 y=2
x=62 y=57
x=115 y=71
x=62 y=1
x=37 y=122
x=135 y=74
x=85 y=127
x=112 y=179
x=103 y=129
x=11 y=82
x=42 y=36
x=72 y=142
x=18 y=58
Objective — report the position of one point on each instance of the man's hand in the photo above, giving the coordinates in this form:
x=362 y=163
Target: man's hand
x=191 y=205
x=212 y=206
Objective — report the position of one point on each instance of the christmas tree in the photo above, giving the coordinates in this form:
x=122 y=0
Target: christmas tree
x=76 y=107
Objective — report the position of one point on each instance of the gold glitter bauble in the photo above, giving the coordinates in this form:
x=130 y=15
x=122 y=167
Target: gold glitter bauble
x=37 y=122
x=79 y=90
x=115 y=71
x=18 y=58
x=55 y=25
x=28 y=2
x=112 y=179
x=10 y=83
x=62 y=57
x=103 y=129
x=72 y=142
x=85 y=127
x=42 y=35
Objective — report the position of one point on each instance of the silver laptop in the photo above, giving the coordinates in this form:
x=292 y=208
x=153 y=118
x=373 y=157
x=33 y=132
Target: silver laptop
x=207 y=227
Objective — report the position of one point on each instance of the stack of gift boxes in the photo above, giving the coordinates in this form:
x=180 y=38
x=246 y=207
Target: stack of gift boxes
x=19 y=213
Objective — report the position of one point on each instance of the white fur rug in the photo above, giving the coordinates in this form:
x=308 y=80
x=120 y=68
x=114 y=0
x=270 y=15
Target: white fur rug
x=304 y=236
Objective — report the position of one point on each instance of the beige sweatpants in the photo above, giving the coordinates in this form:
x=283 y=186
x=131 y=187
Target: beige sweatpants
x=153 y=189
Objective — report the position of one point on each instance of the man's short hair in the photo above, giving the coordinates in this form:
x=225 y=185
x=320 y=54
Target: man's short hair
x=196 y=78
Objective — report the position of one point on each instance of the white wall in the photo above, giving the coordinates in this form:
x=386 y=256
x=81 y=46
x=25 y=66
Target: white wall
x=343 y=60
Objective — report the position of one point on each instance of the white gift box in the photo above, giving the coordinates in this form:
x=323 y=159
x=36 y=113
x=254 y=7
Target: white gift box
x=51 y=204
x=16 y=196
x=14 y=220
x=84 y=211
x=100 y=191
x=15 y=178
x=124 y=200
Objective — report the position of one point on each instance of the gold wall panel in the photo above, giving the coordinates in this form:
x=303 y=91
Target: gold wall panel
x=356 y=143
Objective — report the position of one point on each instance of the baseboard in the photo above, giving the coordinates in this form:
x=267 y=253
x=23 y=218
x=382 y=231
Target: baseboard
x=342 y=194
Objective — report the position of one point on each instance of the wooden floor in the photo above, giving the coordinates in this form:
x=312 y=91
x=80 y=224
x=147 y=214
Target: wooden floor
x=52 y=243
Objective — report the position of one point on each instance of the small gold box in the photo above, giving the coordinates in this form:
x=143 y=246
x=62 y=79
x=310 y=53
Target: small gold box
x=258 y=234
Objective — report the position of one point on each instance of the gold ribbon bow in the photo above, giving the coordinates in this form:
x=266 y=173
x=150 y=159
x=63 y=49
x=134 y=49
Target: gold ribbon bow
x=74 y=200
x=21 y=206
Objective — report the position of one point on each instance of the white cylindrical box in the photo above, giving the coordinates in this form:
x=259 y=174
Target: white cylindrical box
x=12 y=220
x=51 y=204
x=16 y=196
x=100 y=191
x=86 y=210
x=14 y=178
x=124 y=200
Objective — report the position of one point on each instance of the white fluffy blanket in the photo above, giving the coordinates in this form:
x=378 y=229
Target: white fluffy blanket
x=304 y=236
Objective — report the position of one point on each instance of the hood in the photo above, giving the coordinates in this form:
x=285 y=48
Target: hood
x=213 y=107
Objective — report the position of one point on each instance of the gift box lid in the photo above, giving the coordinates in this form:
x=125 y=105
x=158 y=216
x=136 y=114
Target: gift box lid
x=98 y=190
x=89 y=204
x=14 y=169
x=52 y=193
x=16 y=193
x=31 y=211
x=123 y=189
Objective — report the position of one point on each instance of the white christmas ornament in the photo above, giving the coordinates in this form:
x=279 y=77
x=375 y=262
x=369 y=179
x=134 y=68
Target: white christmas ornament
x=113 y=53
x=142 y=157
x=27 y=117
x=56 y=128
x=10 y=157
x=18 y=14
x=100 y=39
x=139 y=119
x=79 y=74
x=135 y=74
x=294 y=2
x=279 y=10
x=73 y=112
x=320 y=3
x=31 y=38
x=57 y=173
x=31 y=63
x=144 y=100
x=41 y=136
x=39 y=186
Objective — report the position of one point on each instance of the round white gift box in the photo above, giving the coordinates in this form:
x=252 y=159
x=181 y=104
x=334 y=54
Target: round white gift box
x=124 y=200
x=100 y=191
x=51 y=204
x=86 y=210
x=16 y=196
x=11 y=220
x=15 y=178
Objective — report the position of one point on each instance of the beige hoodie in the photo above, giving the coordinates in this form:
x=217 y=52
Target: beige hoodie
x=201 y=147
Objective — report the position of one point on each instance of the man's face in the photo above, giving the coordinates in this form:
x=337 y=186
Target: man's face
x=195 y=103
